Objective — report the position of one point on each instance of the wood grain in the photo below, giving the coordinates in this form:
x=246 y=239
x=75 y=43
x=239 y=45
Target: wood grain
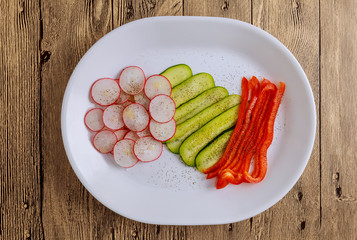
x=20 y=196
x=296 y=25
x=42 y=41
x=338 y=124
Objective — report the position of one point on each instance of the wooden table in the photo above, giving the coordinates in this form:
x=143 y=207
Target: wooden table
x=41 y=42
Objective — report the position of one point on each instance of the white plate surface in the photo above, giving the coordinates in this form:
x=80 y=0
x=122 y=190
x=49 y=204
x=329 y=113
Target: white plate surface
x=166 y=191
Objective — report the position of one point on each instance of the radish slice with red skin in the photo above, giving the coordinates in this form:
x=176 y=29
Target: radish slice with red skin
x=162 y=108
x=123 y=97
x=132 y=80
x=121 y=133
x=142 y=99
x=123 y=153
x=135 y=117
x=104 y=141
x=94 y=119
x=144 y=133
x=113 y=117
x=131 y=135
x=162 y=131
x=147 y=149
x=157 y=85
x=105 y=91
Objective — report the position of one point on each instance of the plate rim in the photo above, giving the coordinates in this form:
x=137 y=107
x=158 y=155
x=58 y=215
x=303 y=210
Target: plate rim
x=251 y=27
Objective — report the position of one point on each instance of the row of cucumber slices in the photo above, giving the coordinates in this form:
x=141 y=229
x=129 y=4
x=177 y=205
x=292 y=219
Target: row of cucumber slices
x=205 y=116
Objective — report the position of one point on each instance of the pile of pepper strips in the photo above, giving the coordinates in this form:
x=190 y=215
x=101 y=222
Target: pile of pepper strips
x=252 y=135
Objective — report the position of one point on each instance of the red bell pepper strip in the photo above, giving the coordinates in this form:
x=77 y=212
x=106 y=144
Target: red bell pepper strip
x=235 y=147
x=261 y=106
x=254 y=87
x=236 y=131
x=258 y=125
x=261 y=137
x=243 y=155
x=264 y=82
x=262 y=154
x=227 y=176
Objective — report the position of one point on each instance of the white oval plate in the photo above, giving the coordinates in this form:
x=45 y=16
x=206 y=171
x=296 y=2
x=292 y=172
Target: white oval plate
x=166 y=191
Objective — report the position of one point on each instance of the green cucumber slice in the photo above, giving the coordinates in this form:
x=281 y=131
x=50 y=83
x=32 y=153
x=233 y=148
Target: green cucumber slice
x=191 y=88
x=185 y=129
x=177 y=74
x=212 y=152
x=202 y=137
x=202 y=101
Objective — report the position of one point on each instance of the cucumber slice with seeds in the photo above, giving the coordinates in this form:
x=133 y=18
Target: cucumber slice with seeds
x=185 y=129
x=202 y=137
x=212 y=152
x=191 y=88
x=177 y=74
x=202 y=101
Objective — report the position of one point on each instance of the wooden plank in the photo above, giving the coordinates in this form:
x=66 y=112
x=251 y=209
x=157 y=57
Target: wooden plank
x=20 y=165
x=231 y=9
x=69 y=29
x=338 y=114
x=296 y=24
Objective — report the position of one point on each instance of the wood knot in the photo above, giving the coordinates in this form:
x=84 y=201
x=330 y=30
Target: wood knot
x=230 y=227
x=338 y=192
x=21 y=7
x=336 y=176
x=302 y=225
x=134 y=233
x=129 y=11
x=225 y=6
x=157 y=229
x=26 y=206
x=27 y=235
x=296 y=5
x=45 y=56
x=152 y=5
x=300 y=195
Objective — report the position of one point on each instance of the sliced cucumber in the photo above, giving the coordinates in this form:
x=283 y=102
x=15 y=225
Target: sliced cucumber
x=191 y=88
x=198 y=140
x=177 y=74
x=205 y=99
x=212 y=152
x=191 y=125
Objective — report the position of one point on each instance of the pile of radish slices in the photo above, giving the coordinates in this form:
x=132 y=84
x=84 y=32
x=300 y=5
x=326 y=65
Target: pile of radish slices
x=135 y=115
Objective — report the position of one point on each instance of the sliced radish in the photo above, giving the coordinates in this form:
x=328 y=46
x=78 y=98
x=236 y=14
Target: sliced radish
x=162 y=131
x=162 y=108
x=144 y=133
x=135 y=117
x=123 y=153
x=113 y=116
x=121 y=133
x=132 y=80
x=142 y=99
x=104 y=141
x=131 y=135
x=105 y=91
x=94 y=119
x=147 y=149
x=123 y=97
x=157 y=85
